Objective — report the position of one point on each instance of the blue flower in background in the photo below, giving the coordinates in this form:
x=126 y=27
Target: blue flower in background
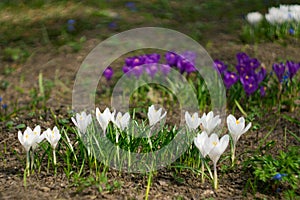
x=278 y=177
x=4 y=106
x=112 y=25
x=71 y=23
x=131 y=6
x=291 y=31
x=0 y=99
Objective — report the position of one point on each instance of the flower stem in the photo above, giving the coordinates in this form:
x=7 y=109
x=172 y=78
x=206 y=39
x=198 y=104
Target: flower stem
x=54 y=157
x=27 y=162
x=233 y=155
x=32 y=160
x=202 y=171
x=215 y=177
x=148 y=185
x=54 y=161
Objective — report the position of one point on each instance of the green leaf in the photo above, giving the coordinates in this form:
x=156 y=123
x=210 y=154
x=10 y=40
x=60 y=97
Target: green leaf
x=20 y=126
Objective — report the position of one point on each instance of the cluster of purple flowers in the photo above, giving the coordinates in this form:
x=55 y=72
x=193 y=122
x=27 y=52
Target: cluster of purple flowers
x=250 y=73
x=184 y=63
x=285 y=71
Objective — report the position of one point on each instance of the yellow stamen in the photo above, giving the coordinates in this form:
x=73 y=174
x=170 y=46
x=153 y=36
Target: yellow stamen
x=237 y=121
x=215 y=143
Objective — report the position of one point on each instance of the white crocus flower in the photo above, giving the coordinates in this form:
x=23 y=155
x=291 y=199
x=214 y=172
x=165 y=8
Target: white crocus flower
x=104 y=118
x=254 y=17
x=208 y=122
x=201 y=142
x=53 y=136
x=82 y=121
x=236 y=128
x=154 y=115
x=30 y=138
x=121 y=121
x=218 y=148
x=192 y=121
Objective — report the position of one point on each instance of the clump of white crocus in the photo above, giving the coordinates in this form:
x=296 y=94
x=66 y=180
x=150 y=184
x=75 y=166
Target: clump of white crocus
x=53 y=136
x=82 y=121
x=236 y=128
x=254 y=17
x=192 y=121
x=201 y=143
x=217 y=149
x=121 y=121
x=104 y=118
x=29 y=139
x=154 y=115
x=208 y=122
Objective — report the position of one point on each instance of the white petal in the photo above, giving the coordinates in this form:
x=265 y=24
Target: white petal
x=247 y=128
x=37 y=129
x=20 y=137
x=74 y=121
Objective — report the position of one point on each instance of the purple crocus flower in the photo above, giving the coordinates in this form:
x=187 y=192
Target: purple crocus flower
x=220 y=66
x=249 y=83
x=137 y=71
x=155 y=57
x=242 y=57
x=250 y=87
x=241 y=68
x=279 y=70
x=252 y=64
x=292 y=68
x=151 y=69
x=245 y=78
x=135 y=61
x=260 y=76
x=185 y=65
x=171 y=58
x=151 y=58
x=128 y=61
x=190 y=56
x=165 y=69
x=126 y=70
x=108 y=73
x=229 y=79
